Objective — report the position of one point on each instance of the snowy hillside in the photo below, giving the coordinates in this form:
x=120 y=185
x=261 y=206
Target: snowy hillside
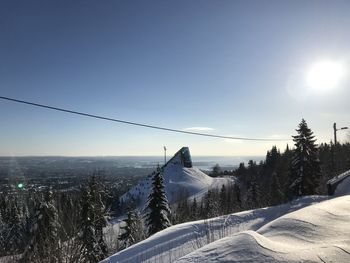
x=318 y=233
x=178 y=180
x=312 y=229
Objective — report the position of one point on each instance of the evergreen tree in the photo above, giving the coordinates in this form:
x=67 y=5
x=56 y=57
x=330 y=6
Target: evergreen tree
x=211 y=205
x=44 y=245
x=133 y=231
x=3 y=230
x=305 y=166
x=223 y=204
x=93 y=247
x=194 y=210
x=276 y=194
x=237 y=196
x=157 y=206
x=14 y=240
x=253 y=196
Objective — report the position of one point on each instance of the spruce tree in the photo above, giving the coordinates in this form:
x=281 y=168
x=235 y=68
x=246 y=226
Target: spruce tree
x=253 y=195
x=132 y=230
x=237 y=197
x=276 y=194
x=93 y=247
x=223 y=203
x=3 y=233
x=158 y=210
x=14 y=240
x=194 y=210
x=305 y=171
x=211 y=204
x=44 y=245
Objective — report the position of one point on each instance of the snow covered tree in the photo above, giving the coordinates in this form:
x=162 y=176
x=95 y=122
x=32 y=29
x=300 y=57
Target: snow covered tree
x=253 y=195
x=224 y=202
x=93 y=247
x=133 y=231
x=14 y=240
x=237 y=197
x=305 y=171
x=44 y=245
x=158 y=210
x=276 y=194
x=194 y=210
x=211 y=204
x=3 y=231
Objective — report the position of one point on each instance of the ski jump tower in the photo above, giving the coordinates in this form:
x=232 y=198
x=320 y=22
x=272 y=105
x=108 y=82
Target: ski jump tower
x=182 y=157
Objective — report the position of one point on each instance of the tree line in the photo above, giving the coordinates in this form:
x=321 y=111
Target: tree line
x=69 y=226
x=301 y=170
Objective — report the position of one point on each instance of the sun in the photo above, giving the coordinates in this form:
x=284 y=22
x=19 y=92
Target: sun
x=325 y=75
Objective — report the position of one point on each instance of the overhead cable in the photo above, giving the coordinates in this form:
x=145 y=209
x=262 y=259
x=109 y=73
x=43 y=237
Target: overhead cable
x=137 y=123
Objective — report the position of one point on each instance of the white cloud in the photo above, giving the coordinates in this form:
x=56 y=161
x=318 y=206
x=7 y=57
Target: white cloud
x=279 y=136
x=200 y=129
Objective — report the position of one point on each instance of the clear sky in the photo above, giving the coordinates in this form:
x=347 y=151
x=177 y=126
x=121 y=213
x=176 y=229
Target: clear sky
x=235 y=68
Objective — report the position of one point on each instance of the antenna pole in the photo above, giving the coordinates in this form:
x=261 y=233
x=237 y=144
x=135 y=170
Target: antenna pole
x=164 y=155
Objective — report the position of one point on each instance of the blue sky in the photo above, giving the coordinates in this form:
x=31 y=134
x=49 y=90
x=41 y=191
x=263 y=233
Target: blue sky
x=236 y=67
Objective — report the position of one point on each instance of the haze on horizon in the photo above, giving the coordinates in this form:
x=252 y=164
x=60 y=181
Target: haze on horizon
x=234 y=68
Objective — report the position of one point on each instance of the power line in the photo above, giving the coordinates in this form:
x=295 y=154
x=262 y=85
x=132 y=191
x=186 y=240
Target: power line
x=136 y=123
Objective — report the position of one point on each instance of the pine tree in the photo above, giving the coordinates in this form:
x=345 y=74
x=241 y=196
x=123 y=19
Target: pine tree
x=93 y=247
x=276 y=194
x=132 y=230
x=211 y=205
x=223 y=204
x=253 y=196
x=44 y=245
x=14 y=239
x=237 y=197
x=305 y=166
x=3 y=233
x=158 y=208
x=194 y=210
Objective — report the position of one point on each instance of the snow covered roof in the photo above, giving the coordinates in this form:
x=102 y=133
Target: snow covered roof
x=333 y=183
x=339 y=177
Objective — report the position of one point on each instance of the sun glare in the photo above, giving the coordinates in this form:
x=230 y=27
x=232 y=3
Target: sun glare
x=325 y=75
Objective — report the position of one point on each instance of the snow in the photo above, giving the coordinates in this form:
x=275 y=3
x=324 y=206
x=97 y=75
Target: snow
x=317 y=233
x=338 y=178
x=180 y=240
x=309 y=229
x=178 y=180
x=344 y=185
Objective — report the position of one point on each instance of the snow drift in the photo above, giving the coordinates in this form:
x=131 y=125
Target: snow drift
x=318 y=233
x=180 y=240
x=309 y=229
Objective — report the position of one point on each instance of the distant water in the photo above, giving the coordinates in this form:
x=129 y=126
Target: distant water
x=202 y=162
x=227 y=162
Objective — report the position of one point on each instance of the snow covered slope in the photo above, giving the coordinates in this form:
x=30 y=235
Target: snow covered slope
x=180 y=240
x=318 y=233
x=178 y=180
x=309 y=229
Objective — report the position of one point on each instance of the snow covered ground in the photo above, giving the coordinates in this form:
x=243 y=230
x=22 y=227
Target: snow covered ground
x=317 y=233
x=309 y=229
x=178 y=180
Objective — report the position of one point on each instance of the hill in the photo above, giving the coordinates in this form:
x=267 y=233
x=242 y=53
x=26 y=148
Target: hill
x=181 y=179
x=310 y=229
